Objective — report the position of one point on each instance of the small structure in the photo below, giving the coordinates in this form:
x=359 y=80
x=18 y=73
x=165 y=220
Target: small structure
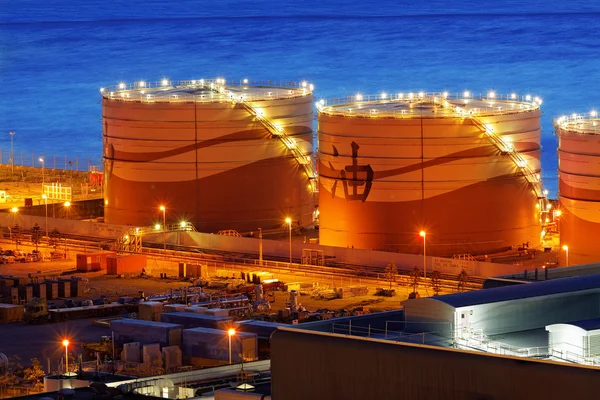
x=93 y=261
x=577 y=341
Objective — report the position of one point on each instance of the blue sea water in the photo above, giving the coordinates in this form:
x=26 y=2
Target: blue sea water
x=55 y=55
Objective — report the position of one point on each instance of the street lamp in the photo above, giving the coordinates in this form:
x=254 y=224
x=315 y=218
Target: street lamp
x=260 y=246
x=43 y=168
x=164 y=211
x=566 y=249
x=67 y=205
x=12 y=153
x=45 y=197
x=288 y=221
x=66 y=344
x=424 y=236
x=230 y=333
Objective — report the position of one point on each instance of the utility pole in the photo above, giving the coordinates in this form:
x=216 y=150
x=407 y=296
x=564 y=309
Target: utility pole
x=260 y=246
x=12 y=153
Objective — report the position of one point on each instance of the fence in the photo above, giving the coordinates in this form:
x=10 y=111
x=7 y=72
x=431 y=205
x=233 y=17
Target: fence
x=50 y=161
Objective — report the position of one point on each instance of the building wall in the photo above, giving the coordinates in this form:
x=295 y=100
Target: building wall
x=429 y=315
x=309 y=366
x=533 y=313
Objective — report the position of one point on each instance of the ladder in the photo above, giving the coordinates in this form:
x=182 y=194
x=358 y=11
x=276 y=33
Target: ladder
x=276 y=131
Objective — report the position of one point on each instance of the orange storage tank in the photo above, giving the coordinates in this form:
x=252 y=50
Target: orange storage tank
x=222 y=155
x=462 y=168
x=579 y=187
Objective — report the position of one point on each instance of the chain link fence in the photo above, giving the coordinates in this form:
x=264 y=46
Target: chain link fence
x=50 y=161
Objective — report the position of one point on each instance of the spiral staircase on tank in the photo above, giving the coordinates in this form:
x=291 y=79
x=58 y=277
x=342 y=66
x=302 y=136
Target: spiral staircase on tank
x=276 y=131
x=505 y=148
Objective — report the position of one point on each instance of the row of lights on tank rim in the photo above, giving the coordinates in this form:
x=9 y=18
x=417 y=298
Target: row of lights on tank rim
x=564 y=119
x=466 y=95
x=219 y=81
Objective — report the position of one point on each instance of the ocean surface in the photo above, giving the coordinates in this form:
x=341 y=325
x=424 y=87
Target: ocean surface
x=55 y=55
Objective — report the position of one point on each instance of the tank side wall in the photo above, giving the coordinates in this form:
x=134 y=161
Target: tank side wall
x=438 y=174
x=579 y=188
x=208 y=163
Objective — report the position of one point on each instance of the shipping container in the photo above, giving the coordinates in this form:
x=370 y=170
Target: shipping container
x=64 y=288
x=39 y=290
x=11 y=313
x=51 y=290
x=93 y=261
x=130 y=264
x=146 y=332
x=192 y=320
x=150 y=310
x=205 y=343
x=25 y=293
x=77 y=287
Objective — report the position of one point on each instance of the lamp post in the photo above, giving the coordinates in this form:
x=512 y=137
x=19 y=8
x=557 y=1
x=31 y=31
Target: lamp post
x=260 y=246
x=12 y=153
x=424 y=236
x=67 y=205
x=45 y=197
x=164 y=211
x=13 y=212
x=43 y=168
x=288 y=220
x=230 y=333
x=66 y=344
x=566 y=249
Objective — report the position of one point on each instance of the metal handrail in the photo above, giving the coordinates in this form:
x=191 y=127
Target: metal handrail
x=579 y=123
x=326 y=106
x=279 y=132
x=161 y=91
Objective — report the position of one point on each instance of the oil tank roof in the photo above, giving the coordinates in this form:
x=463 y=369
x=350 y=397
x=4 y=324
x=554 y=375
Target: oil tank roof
x=433 y=105
x=515 y=292
x=579 y=123
x=205 y=90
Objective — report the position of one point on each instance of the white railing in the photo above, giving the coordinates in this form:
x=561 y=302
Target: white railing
x=165 y=90
x=358 y=105
x=579 y=123
x=279 y=132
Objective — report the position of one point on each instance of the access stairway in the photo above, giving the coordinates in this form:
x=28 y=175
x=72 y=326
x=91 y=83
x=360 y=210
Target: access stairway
x=276 y=131
x=505 y=148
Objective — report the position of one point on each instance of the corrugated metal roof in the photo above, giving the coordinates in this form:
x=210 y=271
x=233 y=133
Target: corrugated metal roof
x=536 y=289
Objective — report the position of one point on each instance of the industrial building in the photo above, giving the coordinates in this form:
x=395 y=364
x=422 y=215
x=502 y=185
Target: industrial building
x=578 y=186
x=487 y=344
x=318 y=365
x=221 y=155
x=487 y=313
x=463 y=169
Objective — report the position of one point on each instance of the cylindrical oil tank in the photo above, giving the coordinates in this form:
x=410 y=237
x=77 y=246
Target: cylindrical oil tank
x=391 y=166
x=579 y=187
x=221 y=155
